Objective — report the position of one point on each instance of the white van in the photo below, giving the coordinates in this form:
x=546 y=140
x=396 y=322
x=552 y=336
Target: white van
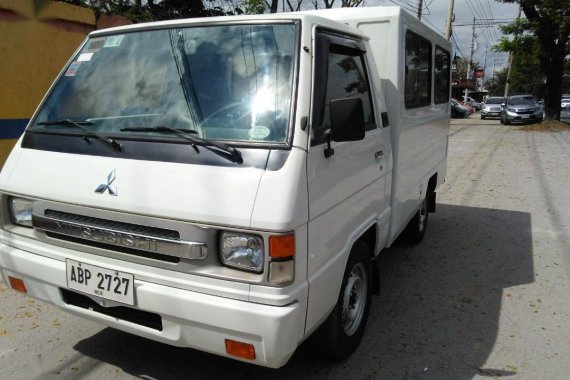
x=226 y=183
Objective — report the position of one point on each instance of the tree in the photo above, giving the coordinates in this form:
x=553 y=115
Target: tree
x=152 y=10
x=496 y=85
x=548 y=22
x=462 y=64
x=526 y=74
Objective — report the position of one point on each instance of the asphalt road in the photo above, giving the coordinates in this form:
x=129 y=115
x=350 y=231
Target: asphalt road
x=484 y=296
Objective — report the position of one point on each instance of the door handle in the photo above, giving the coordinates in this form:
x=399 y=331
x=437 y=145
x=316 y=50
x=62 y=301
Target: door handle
x=378 y=155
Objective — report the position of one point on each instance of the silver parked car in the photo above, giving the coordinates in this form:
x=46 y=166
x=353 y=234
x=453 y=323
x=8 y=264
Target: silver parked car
x=492 y=107
x=521 y=108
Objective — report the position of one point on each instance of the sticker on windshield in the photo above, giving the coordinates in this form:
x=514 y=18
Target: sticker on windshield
x=85 y=57
x=72 y=70
x=113 y=41
x=94 y=45
x=259 y=132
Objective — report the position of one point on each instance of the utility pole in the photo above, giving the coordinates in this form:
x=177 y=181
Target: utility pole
x=484 y=69
x=470 y=59
x=510 y=63
x=449 y=20
x=420 y=5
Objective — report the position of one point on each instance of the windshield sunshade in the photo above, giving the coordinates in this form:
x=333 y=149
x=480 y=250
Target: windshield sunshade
x=231 y=83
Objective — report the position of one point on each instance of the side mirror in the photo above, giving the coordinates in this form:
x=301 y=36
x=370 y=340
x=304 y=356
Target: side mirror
x=347 y=119
x=347 y=122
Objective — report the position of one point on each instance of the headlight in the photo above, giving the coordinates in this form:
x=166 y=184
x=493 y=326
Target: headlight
x=21 y=211
x=242 y=251
x=511 y=109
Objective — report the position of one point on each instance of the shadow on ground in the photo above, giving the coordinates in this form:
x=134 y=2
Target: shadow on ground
x=437 y=315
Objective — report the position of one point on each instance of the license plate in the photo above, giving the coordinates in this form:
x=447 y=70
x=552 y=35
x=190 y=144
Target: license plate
x=525 y=116
x=101 y=282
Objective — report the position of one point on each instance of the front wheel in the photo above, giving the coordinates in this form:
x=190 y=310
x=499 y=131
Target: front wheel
x=341 y=333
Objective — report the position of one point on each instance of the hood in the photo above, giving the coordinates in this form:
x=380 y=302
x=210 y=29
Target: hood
x=206 y=194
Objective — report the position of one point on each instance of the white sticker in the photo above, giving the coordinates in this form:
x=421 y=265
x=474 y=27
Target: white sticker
x=85 y=57
x=259 y=132
x=113 y=41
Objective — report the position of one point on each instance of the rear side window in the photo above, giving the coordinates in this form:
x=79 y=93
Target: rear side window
x=417 y=91
x=441 y=72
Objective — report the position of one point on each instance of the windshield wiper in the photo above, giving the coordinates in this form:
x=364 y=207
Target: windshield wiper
x=223 y=150
x=81 y=125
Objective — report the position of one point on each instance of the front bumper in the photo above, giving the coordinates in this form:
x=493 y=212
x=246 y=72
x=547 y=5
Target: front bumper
x=488 y=113
x=188 y=318
x=513 y=117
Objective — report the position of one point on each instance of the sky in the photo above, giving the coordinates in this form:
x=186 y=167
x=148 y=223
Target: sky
x=486 y=13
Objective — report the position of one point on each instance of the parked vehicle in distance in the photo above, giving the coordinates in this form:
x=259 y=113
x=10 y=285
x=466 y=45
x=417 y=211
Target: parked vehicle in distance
x=473 y=103
x=462 y=105
x=521 y=109
x=458 y=112
x=226 y=184
x=565 y=103
x=492 y=107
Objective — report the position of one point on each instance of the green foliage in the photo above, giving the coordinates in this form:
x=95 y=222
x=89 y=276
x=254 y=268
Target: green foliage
x=462 y=64
x=254 y=7
x=496 y=85
x=539 y=44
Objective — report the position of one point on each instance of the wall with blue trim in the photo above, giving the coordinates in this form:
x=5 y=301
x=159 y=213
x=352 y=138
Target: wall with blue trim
x=37 y=37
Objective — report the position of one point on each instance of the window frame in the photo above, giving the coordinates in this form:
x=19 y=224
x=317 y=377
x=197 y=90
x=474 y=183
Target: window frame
x=325 y=40
x=443 y=50
x=419 y=39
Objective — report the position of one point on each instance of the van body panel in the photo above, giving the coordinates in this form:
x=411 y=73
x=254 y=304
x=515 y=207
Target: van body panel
x=144 y=187
x=188 y=318
x=271 y=202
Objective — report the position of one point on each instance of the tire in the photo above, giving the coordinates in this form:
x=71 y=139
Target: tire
x=482 y=117
x=506 y=122
x=341 y=333
x=416 y=229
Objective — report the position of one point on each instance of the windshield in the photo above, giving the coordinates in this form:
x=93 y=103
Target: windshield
x=494 y=101
x=522 y=101
x=230 y=83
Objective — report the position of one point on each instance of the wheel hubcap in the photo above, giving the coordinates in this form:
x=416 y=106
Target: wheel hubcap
x=354 y=299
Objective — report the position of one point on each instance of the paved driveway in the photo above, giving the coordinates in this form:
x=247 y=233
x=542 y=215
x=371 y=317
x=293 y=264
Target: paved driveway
x=485 y=295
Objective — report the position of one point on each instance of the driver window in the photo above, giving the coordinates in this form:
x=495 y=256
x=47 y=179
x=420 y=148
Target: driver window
x=347 y=78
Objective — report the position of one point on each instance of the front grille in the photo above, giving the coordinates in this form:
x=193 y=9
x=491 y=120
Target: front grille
x=114 y=225
x=139 y=317
x=130 y=251
x=128 y=228
x=525 y=112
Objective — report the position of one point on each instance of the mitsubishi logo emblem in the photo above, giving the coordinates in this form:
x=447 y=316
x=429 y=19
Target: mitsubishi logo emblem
x=109 y=185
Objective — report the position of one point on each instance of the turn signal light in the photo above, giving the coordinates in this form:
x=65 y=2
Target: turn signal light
x=17 y=284
x=282 y=246
x=239 y=349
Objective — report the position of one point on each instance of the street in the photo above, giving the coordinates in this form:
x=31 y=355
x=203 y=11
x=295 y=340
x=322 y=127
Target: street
x=483 y=296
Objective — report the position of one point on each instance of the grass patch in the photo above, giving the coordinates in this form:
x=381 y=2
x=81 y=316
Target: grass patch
x=547 y=126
